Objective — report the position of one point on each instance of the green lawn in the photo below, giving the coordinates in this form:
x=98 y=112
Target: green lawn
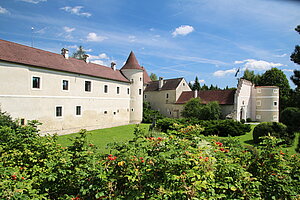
x=102 y=137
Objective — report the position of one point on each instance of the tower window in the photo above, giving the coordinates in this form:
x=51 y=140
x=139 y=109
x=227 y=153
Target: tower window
x=275 y=103
x=128 y=91
x=105 y=88
x=140 y=91
x=88 y=86
x=167 y=95
x=118 y=90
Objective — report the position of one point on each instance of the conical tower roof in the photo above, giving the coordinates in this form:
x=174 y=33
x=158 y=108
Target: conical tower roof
x=132 y=62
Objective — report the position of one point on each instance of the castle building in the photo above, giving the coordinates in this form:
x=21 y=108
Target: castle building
x=259 y=103
x=66 y=94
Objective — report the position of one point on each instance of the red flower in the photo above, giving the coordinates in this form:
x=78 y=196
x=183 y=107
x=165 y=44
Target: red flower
x=111 y=157
x=222 y=149
x=142 y=161
x=200 y=157
x=219 y=143
x=141 y=158
x=22 y=178
x=159 y=138
x=206 y=159
x=226 y=151
x=14 y=177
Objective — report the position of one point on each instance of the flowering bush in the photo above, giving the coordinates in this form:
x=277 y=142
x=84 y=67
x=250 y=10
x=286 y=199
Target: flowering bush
x=183 y=165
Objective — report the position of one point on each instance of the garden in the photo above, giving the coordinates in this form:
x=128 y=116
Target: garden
x=188 y=160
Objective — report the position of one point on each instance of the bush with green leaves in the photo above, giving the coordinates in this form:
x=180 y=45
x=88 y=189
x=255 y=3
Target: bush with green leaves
x=194 y=109
x=290 y=117
x=149 y=114
x=276 y=129
x=6 y=120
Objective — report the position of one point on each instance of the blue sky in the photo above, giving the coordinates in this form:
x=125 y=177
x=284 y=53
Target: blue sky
x=210 y=39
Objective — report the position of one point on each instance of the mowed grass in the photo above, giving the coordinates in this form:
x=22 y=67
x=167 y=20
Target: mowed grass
x=102 y=137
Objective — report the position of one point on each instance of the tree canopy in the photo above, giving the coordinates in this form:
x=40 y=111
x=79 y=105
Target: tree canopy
x=153 y=77
x=79 y=54
x=295 y=57
x=251 y=76
x=196 y=85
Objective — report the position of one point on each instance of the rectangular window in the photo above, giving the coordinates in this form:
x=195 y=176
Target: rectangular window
x=105 y=112
x=275 y=117
x=105 y=88
x=167 y=95
x=275 y=90
x=145 y=96
x=275 y=103
x=88 y=86
x=258 y=117
x=118 y=90
x=78 y=110
x=258 y=103
x=58 y=111
x=22 y=122
x=36 y=82
x=140 y=91
x=128 y=91
x=65 y=85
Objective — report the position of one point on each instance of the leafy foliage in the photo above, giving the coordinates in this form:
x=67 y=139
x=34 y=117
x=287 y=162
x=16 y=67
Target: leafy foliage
x=290 y=117
x=153 y=77
x=251 y=76
x=79 y=54
x=149 y=114
x=194 y=109
x=276 y=129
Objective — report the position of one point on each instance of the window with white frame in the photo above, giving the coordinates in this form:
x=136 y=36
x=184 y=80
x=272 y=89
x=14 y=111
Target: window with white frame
x=258 y=103
x=275 y=117
x=65 y=85
x=258 y=117
x=140 y=91
x=118 y=90
x=275 y=103
x=78 y=110
x=88 y=86
x=58 y=111
x=128 y=91
x=167 y=95
x=105 y=88
x=275 y=90
x=36 y=82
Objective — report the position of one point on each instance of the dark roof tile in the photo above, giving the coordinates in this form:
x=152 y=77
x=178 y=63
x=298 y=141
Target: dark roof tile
x=223 y=97
x=169 y=84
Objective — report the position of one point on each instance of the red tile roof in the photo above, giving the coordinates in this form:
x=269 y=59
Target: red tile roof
x=146 y=77
x=131 y=62
x=169 y=84
x=224 y=97
x=17 y=53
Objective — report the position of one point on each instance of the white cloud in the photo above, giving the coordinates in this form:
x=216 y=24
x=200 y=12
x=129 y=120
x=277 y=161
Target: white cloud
x=33 y=1
x=132 y=38
x=68 y=29
x=183 y=30
x=202 y=81
x=76 y=11
x=100 y=56
x=281 y=56
x=73 y=47
x=3 y=10
x=221 y=73
x=93 y=37
x=287 y=70
x=259 y=65
x=99 y=62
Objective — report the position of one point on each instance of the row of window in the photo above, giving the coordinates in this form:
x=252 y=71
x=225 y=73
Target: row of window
x=59 y=111
x=275 y=117
x=36 y=84
x=274 y=91
x=258 y=103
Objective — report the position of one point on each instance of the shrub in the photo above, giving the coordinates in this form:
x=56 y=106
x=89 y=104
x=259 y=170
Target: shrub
x=290 y=117
x=6 y=120
x=276 y=129
x=248 y=120
x=149 y=114
x=194 y=109
x=243 y=121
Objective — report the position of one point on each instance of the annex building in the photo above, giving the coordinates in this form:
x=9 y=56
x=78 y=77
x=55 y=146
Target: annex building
x=260 y=103
x=66 y=94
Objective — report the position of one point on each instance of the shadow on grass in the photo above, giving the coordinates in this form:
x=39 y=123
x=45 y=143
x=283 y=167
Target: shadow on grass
x=251 y=142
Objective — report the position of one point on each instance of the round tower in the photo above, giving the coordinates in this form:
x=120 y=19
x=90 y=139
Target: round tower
x=134 y=73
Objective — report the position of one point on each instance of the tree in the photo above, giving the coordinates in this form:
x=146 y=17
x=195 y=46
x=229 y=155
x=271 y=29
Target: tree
x=250 y=76
x=196 y=85
x=204 y=87
x=79 y=54
x=295 y=57
x=190 y=85
x=275 y=77
x=153 y=77
x=296 y=78
x=194 y=109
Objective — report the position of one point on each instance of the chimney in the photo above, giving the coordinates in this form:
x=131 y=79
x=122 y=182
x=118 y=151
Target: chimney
x=113 y=65
x=65 y=53
x=160 y=82
x=86 y=58
x=195 y=93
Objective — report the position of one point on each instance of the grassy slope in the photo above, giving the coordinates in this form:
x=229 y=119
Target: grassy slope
x=102 y=137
